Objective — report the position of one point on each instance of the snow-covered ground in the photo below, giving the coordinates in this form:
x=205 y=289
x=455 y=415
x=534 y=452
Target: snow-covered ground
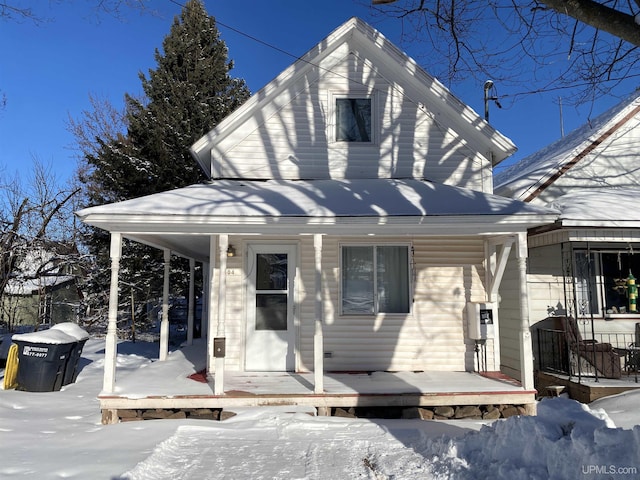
x=56 y=435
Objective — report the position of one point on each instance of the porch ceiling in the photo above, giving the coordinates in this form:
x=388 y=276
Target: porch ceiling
x=183 y=219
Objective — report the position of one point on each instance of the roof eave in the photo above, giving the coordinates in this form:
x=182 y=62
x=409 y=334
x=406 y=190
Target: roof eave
x=290 y=225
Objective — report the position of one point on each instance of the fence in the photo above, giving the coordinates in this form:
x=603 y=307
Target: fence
x=609 y=356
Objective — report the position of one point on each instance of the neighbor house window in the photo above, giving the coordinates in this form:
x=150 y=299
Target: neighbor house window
x=601 y=279
x=353 y=119
x=375 y=279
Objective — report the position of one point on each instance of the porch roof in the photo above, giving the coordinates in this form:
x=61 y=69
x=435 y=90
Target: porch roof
x=599 y=207
x=181 y=219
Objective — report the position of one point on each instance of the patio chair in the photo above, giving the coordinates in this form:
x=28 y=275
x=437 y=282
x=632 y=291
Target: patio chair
x=602 y=356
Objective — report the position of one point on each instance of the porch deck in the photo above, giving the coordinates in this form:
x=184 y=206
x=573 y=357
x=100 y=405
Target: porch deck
x=375 y=389
x=586 y=389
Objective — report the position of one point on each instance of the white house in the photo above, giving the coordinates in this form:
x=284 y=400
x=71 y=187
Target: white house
x=349 y=225
x=580 y=266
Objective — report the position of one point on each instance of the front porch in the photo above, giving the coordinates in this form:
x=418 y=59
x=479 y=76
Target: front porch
x=177 y=384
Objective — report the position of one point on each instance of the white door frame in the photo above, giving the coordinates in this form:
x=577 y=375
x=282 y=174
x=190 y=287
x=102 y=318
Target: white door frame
x=266 y=349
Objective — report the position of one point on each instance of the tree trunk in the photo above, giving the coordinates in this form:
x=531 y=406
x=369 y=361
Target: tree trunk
x=599 y=16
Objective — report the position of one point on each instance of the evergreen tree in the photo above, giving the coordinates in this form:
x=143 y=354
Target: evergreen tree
x=187 y=94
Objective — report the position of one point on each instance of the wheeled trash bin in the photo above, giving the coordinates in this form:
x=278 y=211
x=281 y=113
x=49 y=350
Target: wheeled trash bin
x=81 y=336
x=42 y=359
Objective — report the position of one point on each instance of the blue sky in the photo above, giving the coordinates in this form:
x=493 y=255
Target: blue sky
x=47 y=71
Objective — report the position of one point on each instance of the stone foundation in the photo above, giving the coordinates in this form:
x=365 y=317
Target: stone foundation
x=472 y=412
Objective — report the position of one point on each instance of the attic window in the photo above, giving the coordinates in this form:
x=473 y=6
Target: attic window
x=353 y=120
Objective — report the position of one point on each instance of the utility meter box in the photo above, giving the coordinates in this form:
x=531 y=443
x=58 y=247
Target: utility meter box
x=480 y=320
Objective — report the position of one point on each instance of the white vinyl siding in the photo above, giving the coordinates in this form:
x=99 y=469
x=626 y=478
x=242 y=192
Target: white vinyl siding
x=510 y=323
x=447 y=271
x=432 y=337
x=290 y=138
x=613 y=163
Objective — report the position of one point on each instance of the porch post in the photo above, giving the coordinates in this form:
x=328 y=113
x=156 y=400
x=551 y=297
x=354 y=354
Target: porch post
x=211 y=301
x=164 y=324
x=206 y=306
x=526 y=349
x=220 y=340
x=110 y=349
x=191 y=302
x=318 y=339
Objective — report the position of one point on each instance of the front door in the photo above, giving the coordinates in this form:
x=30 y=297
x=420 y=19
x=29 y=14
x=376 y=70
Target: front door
x=270 y=338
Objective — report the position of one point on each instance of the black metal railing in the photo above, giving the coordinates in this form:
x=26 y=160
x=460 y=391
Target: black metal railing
x=606 y=355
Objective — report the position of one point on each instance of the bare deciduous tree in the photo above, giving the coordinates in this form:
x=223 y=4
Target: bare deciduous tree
x=546 y=44
x=15 y=10
x=33 y=216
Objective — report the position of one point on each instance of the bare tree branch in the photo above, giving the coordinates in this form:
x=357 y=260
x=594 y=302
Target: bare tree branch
x=599 y=16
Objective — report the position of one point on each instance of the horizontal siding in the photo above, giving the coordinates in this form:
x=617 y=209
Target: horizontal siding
x=613 y=163
x=510 y=317
x=448 y=273
x=430 y=338
x=545 y=283
x=290 y=137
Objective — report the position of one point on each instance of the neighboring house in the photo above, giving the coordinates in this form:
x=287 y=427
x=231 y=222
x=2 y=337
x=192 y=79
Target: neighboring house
x=348 y=225
x=581 y=265
x=43 y=290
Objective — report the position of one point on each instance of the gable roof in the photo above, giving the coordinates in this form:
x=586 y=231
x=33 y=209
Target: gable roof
x=529 y=177
x=599 y=207
x=433 y=96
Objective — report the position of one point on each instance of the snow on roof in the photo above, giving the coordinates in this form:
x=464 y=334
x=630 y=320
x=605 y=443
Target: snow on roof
x=318 y=198
x=523 y=177
x=599 y=207
x=27 y=287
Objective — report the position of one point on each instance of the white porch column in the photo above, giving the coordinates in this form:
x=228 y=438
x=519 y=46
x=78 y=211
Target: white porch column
x=164 y=324
x=526 y=349
x=497 y=252
x=191 y=302
x=110 y=349
x=219 y=343
x=212 y=312
x=318 y=339
x=206 y=288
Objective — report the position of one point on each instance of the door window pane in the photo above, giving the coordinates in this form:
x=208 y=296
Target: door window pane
x=271 y=311
x=271 y=271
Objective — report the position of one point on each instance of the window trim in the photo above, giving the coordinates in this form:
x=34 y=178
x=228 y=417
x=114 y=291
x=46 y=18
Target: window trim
x=410 y=278
x=332 y=125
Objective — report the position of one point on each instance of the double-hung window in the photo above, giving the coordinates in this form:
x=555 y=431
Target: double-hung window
x=353 y=120
x=375 y=279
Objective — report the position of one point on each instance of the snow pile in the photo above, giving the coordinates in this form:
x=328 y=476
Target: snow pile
x=566 y=440
x=52 y=435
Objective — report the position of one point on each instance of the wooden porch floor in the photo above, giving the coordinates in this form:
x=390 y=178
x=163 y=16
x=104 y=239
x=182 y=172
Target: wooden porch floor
x=586 y=389
x=375 y=389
